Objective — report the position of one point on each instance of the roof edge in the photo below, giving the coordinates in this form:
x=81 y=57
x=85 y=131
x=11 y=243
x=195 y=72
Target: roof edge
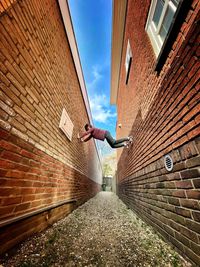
x=66 y=16
x=118 y=27
x=67 y=21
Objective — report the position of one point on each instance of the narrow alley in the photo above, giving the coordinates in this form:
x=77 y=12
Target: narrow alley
x=97 y=95
x=101 y=232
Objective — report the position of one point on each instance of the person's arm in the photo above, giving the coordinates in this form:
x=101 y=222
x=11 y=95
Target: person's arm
x=87 y=138
x=87 y=132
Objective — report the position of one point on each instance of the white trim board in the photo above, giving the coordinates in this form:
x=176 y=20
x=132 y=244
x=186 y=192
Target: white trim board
x=65 y=12
x=64 y=8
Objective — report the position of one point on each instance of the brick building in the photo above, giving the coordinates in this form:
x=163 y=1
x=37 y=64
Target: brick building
x=44 y=172
x=154 y=83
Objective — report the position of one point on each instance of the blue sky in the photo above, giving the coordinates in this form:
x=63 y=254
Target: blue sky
x=92 y=22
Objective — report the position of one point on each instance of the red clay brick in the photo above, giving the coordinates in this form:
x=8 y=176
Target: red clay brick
x=188 y=174
x=183 y=212
x=184 y=184
x=188 y=203
x=3 y=115
x=11 y=156
x=194 y=194
x=196 y=183
x=196 y=216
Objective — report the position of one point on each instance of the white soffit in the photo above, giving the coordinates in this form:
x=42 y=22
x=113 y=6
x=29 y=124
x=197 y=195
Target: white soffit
x=118 y=25
x=64 y=8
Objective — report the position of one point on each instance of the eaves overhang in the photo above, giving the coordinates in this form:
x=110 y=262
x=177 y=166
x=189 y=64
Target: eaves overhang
x=65 y=12
x=118 y=27
x=67 y=21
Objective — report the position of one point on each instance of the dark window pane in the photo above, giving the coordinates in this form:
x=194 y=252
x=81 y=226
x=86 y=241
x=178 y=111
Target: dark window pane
x=166 y=23
x=175 y=2
x=158 y=11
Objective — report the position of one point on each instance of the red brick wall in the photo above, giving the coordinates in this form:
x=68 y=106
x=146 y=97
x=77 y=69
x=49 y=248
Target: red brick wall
x=162 y=112
x=39 y=165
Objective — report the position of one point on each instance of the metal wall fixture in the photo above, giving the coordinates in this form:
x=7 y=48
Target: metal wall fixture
x=168 y=163
x=120 y=125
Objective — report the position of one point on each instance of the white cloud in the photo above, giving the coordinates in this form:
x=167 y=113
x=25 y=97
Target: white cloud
x=96 y=76
x=100 y=108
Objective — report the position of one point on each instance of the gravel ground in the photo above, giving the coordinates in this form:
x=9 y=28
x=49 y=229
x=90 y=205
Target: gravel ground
x=102 y=232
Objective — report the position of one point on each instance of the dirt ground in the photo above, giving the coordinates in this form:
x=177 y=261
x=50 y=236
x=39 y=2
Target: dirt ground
x=102 y=232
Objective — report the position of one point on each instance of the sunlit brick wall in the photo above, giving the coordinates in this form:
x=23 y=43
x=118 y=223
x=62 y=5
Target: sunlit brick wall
x=39 y=166
x=162 y=112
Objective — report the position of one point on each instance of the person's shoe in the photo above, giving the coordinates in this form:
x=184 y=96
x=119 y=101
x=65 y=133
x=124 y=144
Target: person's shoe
x=126 y=145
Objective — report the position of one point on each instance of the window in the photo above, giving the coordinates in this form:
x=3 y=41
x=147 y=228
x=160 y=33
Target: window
x=128 y=60
x=161 y=17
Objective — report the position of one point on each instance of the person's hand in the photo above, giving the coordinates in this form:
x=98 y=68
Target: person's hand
x=79 y=138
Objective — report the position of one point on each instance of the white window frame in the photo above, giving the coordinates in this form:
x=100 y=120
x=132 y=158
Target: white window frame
x=128 y=60
x=150 y=27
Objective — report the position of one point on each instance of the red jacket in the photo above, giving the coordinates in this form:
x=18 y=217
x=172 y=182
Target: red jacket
x=95 y=133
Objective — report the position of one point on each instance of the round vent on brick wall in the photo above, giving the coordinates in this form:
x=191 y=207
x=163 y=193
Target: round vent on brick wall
x=168 y=163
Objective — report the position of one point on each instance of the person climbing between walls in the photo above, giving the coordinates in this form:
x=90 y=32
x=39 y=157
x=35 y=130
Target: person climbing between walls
x=102 y=135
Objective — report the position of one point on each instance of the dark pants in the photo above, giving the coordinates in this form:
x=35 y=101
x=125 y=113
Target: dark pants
x=115 y=143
